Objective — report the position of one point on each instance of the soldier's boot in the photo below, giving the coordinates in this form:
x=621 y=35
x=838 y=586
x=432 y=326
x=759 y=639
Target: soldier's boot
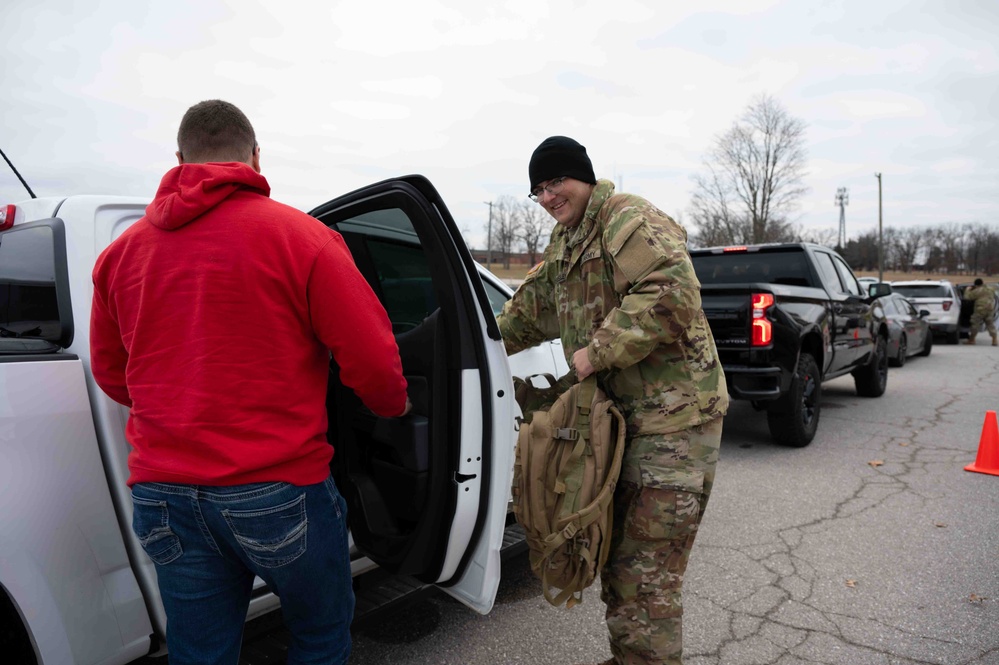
x=995 y=339
x=971 y=337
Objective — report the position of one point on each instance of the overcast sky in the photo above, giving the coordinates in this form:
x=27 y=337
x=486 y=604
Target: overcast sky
x=343 y=94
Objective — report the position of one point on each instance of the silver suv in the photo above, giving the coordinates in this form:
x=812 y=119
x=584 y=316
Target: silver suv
x=941 y=299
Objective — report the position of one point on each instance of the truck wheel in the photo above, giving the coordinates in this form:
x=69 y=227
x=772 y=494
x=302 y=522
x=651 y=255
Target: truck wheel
x=927 y=345
x=954 y=337
x=871 y=380
x=794 y=418
x=903 y=349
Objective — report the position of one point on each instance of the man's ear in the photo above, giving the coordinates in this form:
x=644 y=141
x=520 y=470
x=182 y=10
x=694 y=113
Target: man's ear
x=255 y=160
x=180 y=157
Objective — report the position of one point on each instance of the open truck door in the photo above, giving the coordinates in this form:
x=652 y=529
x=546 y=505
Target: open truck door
x=427 y=493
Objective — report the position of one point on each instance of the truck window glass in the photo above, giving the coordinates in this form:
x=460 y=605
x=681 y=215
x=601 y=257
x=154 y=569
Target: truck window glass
x=846 y=276
x=829 y=275
x=922 y=290
x=406 y=286
x=28 y=302
x=496 y=297
x=773 y=267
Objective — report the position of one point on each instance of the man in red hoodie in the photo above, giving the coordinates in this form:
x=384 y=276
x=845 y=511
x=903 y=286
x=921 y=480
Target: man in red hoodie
x=213 y=319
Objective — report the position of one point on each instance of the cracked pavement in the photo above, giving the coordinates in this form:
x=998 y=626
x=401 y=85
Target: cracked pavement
x=805 y=556
x=830 y=559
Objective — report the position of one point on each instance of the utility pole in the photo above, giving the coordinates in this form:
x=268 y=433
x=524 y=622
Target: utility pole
x=881 y=246
x=842 y=200
x=489 y=237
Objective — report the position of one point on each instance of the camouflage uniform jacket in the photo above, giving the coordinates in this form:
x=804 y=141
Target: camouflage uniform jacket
x=983 y=297
x=621 y=284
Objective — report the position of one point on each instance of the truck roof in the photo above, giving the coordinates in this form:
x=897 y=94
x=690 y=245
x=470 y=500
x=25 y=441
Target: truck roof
x=761 y=247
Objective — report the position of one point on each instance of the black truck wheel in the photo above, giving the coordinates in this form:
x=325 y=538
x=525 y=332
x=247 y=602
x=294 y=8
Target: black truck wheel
x=871 y=380
x=794 y=418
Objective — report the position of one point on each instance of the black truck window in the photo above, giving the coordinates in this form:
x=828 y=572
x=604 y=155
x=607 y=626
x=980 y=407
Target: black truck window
x=784 y=267
x=406 y=285
x=829 y=275
x=846 y=276
x=29 y=305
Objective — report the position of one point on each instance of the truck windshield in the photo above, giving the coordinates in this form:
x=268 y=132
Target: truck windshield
x=786 y=267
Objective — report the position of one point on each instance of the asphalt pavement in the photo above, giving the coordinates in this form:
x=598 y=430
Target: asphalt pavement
x=871 y=546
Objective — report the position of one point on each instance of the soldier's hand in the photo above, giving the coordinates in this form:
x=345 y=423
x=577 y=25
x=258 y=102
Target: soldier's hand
x=581 y=363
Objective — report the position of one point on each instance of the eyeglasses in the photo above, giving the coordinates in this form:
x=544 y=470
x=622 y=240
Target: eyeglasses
x=553 y=187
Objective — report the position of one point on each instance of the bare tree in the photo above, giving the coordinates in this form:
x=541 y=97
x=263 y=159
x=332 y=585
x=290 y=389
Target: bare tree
x=907 y=244
x=824 y=237
x=889 y=245
x=980 y=251
x=754 y=178
x=505 y=227
x=712 y=214
x=949 y=238
x=862 y=252
x=947 y=248
x=534 y=225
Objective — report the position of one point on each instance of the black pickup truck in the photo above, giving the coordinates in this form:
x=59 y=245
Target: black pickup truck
x=785 y=318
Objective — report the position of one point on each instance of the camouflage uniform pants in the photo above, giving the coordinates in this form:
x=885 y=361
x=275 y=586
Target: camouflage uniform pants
x=979 y=317
x=665 y=483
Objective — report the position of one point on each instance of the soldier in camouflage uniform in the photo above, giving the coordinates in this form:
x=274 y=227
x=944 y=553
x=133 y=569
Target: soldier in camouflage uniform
x=985 y=303
x=617 y=286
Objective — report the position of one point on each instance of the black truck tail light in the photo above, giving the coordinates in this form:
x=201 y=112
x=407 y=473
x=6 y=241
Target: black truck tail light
x=763 y=330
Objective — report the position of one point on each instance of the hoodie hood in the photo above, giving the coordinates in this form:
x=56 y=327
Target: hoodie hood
x=189 y=190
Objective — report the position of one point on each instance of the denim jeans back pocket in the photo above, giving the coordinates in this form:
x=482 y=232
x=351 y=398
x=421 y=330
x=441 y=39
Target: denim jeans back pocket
x=270 y=536
x=151 y=524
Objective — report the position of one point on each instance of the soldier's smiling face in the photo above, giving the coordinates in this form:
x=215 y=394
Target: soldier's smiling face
x=568 y=204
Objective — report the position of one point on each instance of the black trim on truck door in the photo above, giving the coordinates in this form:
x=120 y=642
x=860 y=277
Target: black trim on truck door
x=35 y=302
x=401 y=476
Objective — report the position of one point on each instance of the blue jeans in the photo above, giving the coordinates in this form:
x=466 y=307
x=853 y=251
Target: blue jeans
x=209 y=542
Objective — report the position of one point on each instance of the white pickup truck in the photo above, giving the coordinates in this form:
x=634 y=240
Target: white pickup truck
x=427 y=493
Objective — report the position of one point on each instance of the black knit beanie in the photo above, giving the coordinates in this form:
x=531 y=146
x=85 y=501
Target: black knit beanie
x=559 y=156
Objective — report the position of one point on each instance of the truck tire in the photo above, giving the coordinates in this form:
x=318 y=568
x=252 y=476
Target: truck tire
x=794 y=418
x=871 y=380
x=15 y=645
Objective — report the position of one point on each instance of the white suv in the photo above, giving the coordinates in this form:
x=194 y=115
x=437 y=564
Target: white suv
x=941 y=299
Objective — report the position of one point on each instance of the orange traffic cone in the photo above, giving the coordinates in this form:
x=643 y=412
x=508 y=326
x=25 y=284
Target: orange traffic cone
x=988 y=448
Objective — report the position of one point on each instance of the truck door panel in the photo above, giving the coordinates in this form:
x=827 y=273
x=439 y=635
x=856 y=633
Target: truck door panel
x=845 y=342
x=421 y=488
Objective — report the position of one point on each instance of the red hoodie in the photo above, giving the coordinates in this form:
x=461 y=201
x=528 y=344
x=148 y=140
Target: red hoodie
x=211 y=319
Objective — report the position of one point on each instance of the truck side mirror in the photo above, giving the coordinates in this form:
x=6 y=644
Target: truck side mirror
x=879 y=289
